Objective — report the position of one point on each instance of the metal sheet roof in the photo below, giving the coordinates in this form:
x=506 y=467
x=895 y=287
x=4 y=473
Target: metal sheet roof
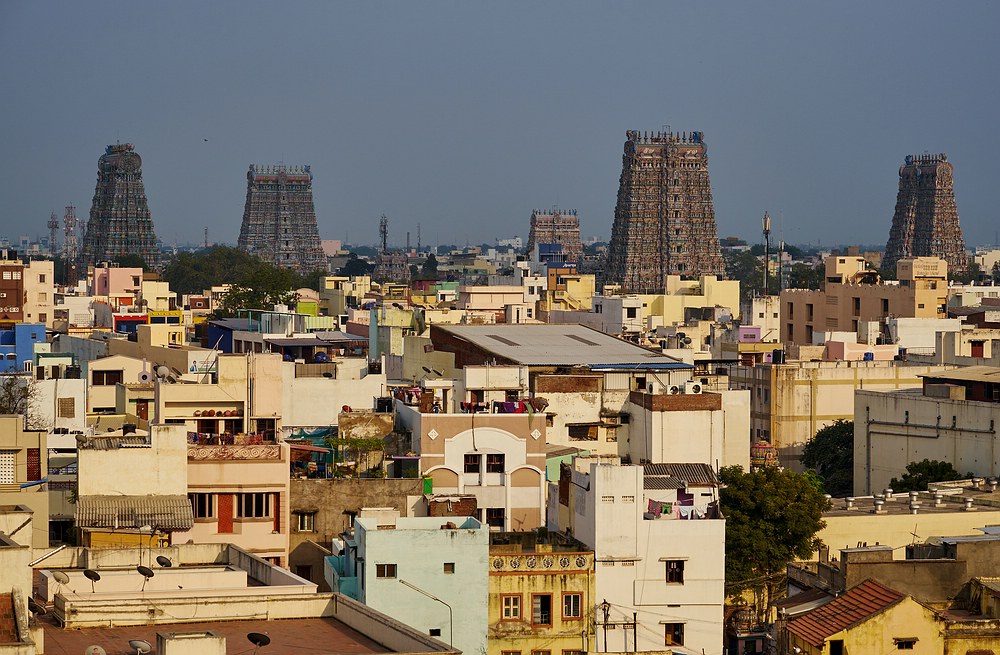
x=694 y=474
x=557 y=345
x=170 y=513
x=969 y=373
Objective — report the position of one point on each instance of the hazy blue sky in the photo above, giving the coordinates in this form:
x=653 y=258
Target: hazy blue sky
x=463 y=116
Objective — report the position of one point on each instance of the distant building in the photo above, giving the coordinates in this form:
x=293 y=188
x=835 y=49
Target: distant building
x=555 y=226
x=279 y=219
x=664 y=219
x=120 y=223
x=925 y=223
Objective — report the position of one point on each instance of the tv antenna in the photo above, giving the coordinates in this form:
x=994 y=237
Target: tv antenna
x=141 y=646
x=93 y=576
x=383 y=234
x=258 y=639
x=146 y=574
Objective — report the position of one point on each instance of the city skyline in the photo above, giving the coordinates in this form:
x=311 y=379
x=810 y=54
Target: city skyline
x=463 y=119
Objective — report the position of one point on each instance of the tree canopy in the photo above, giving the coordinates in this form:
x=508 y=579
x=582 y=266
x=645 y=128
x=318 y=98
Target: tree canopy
x=194 y=272
x=919 y=474
x=831 y=454
x=772 y=517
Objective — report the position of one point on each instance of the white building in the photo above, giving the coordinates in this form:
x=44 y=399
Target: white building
x=660 y=553
x=423 y=571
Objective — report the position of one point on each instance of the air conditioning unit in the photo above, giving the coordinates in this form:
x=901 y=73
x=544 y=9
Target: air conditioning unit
x=674 y=390
x=692 y=387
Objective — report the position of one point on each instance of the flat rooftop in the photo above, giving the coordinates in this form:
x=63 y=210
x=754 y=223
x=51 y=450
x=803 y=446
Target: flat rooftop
x=287 y=636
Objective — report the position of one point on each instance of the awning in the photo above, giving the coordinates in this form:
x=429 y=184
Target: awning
x=312 y=449
x=168 y=513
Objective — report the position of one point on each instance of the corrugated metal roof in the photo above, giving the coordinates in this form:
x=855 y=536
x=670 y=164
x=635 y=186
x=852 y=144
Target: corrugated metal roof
x=558 y=345
x=115 y=441
x=693 y=474
x=654 y=482
x=170 y=513
x=968 y=373
x=854 y=606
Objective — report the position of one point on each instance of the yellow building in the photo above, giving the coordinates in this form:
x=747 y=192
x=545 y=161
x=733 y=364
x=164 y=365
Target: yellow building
x=541 y=596
x=338 y=293
x=568 y=291
x=854 y=293
x=707 y=291
x=869 y=618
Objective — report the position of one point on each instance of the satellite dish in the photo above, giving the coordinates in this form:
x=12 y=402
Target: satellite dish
x=426 y=370
x=146 y=574
x=80 y=439
x=34 y=607
x=437 y=372
x=93 y=576
x=164 y=561
x=258 y=639
x=60 y=577
x=95 y=650
x=327 y=374
x=141 y=646
x=162 y=371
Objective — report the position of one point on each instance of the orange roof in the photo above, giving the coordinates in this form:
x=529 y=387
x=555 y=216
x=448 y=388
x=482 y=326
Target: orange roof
x=850 y=608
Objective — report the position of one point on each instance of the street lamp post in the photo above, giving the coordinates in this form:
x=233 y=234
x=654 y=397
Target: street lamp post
x=451 y=623
x=765 y=223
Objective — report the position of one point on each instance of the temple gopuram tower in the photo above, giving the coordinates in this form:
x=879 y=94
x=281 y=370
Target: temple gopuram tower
x=925 y=223
x=120 y=223
x=664 y=219
x=279 y=219
x=562 y=227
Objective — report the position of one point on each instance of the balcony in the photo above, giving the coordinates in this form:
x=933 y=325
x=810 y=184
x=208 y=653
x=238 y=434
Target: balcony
x=222 y=447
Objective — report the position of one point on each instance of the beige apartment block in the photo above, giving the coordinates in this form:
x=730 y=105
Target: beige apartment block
x=24 y=460
x=854 y=294
x=790 y=402
x=498 y=458
x=39 y=292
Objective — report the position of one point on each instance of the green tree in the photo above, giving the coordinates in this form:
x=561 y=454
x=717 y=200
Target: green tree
x=132 y=260
x=971 y=274
x=831 y=454
x=263 y=289
x=919 y=474
x=355 y=267
x=430 y=267
x=804 y=276
x=19 y=395
x=772 y=517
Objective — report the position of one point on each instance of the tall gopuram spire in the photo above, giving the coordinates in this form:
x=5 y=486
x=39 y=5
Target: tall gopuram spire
x=279 y=218
x=925 y=223
x=664 y=218
x=120 y=223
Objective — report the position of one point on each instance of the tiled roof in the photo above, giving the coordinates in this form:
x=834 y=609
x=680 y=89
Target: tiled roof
x=697 y=475
x=854 y=606
x=170 y=513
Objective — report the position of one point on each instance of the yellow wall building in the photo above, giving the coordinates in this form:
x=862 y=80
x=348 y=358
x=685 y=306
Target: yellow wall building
x=541 y=600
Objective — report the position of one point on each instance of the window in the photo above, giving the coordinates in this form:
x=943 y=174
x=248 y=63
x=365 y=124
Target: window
x=494 y=463
x=43 y=297
x=254 y=506
x=583 y=431
x=449 y=567
x=202 y=505
x=836 y=647
x=906 y=644
x=495 y=517
x=510 y=652
x=43 y=317
x=66 y=408
x=434 y=632
x=541 y=652
x=541 y=609
x=511 y=607
x=472 y=462
x=675 y=571
x=41 y=278
x=885 y=305
x=572 y=606
x=630 y=312
x=107 y=378
x=385 y=570
x=673 y=634
x=306 y=521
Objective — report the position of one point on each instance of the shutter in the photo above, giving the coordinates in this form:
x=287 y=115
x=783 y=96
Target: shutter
x=34 y=464
x=277 y=512
x=225 y=513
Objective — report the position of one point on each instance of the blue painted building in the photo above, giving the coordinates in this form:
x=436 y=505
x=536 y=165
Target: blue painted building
x=17 y=345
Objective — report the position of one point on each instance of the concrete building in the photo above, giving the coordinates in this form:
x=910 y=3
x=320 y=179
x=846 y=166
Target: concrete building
x=498 y=458
x=854 y=294
x=951 y=418
x=24 y=463
x=17 y=346
x=39 y=292
x=425 y=572
x=659 y=545
x=791 y=401
x=541 y=594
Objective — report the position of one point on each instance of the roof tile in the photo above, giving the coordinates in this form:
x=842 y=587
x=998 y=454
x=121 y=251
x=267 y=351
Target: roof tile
x=852 y=607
